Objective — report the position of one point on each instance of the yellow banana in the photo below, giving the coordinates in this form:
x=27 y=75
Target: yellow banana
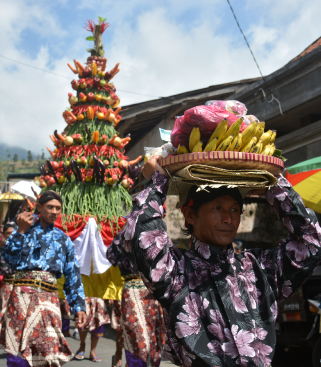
x=257 y=148
x=211 y=146
x=272 y=149
x=234 y=128
x=233 y=144
x=219 y=132
x=273 y=137
x=198 y=147
x=266 y=149
x=181 y=149
x=238 y=143
x=249 y=146
x=248 y=134
x=266 y=137
x=260 y=130
x=194 y=138
x=225 y=143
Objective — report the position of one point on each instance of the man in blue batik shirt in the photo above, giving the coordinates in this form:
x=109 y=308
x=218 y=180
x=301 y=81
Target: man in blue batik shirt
x=39 y=254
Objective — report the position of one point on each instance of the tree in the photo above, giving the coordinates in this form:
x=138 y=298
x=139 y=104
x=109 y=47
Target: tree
x=30 y=157
x=42 y=154
x=8 y=154
x=15 y=158
x=23 y=162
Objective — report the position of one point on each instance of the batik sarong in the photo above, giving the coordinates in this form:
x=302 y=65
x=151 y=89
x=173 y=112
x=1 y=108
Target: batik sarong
x=32 y=328
x=141 y=323
x=4 y=297
x=97 y=316
x=115 y=315
x=66 y=316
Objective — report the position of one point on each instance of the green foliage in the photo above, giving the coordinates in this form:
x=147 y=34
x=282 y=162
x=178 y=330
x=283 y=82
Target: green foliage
x=95 y=125
x=101 y=200
x=30 y=157
x=15 y=158
x=90 y=38
x=101 y=20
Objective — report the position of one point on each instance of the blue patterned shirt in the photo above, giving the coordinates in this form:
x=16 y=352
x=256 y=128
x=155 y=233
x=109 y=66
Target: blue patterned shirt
x=50 y=250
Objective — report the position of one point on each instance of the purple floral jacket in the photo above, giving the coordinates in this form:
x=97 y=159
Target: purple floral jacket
x=219 y=307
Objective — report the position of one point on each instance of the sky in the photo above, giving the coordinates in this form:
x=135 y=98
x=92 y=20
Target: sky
x=163 y=47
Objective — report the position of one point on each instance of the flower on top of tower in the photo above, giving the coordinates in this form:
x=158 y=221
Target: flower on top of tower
x=90 y=26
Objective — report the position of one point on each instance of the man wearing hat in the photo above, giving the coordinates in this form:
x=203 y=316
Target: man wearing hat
x=39 y=254
x=219 y=307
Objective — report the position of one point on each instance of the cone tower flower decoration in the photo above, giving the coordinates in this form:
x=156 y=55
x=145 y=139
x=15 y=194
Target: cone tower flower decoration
x=89 y=167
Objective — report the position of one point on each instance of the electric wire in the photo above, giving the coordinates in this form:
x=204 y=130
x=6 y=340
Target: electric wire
x=257 y=64
x=15 y=102
x=66 y=77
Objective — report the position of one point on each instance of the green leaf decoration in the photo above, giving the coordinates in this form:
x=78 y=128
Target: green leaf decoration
x=278 y=154
x=90 y=38
x=101 y=20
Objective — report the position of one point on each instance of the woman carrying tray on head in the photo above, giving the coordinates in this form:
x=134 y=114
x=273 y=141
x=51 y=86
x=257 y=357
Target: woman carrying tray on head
x=219 y=307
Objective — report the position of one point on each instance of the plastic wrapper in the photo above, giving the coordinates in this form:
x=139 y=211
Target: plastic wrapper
x=236 y=107
x=163 y=151
x=248 y=119
x=206 y=118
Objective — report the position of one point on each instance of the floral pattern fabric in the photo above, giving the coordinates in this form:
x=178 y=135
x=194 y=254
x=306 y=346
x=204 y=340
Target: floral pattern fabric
x=219 y=307
x=48 y=250
x=140 y=316
x=5 y=292
x=97 y=314
x=32 y=329
x=142 y=329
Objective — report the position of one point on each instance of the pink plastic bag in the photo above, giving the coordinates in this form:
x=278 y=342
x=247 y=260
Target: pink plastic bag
x=206 y=118
x=236 y=107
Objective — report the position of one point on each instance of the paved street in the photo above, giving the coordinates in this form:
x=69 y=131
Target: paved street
x=105 y=350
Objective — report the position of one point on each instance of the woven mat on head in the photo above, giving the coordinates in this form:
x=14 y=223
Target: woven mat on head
x=209 y=176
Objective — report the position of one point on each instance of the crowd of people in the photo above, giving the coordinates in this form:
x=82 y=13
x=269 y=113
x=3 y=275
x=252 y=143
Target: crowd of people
x=212 y=305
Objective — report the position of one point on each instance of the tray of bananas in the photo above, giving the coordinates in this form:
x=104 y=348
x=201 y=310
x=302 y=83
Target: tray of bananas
x=229 y=148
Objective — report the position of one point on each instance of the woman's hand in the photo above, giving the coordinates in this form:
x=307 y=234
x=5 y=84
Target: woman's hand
x=151 y=166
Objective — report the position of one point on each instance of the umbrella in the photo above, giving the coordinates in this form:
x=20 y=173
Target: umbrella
x=305 y=178
x=24 y=188
x=8 y=196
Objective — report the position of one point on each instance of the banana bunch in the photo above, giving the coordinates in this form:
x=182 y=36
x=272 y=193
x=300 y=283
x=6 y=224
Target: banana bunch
x=252 y=140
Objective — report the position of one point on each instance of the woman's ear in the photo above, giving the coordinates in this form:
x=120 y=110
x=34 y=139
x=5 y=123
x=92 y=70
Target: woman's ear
x=189 y=215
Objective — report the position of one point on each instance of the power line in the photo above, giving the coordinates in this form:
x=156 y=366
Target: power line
x=248 y=46
x=66 y=77
x=15 y=102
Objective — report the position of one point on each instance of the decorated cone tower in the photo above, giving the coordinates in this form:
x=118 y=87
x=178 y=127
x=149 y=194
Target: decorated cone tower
x=89 y=169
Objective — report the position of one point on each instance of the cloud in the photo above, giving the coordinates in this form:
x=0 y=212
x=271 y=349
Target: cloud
x=163 y=48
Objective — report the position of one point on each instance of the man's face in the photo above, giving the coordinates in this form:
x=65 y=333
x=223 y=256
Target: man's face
x=8 y=232
x=216 y=222
x=25 y=208
x=49 y=211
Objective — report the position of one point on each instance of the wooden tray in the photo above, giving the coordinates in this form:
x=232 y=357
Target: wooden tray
x=228 y=160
